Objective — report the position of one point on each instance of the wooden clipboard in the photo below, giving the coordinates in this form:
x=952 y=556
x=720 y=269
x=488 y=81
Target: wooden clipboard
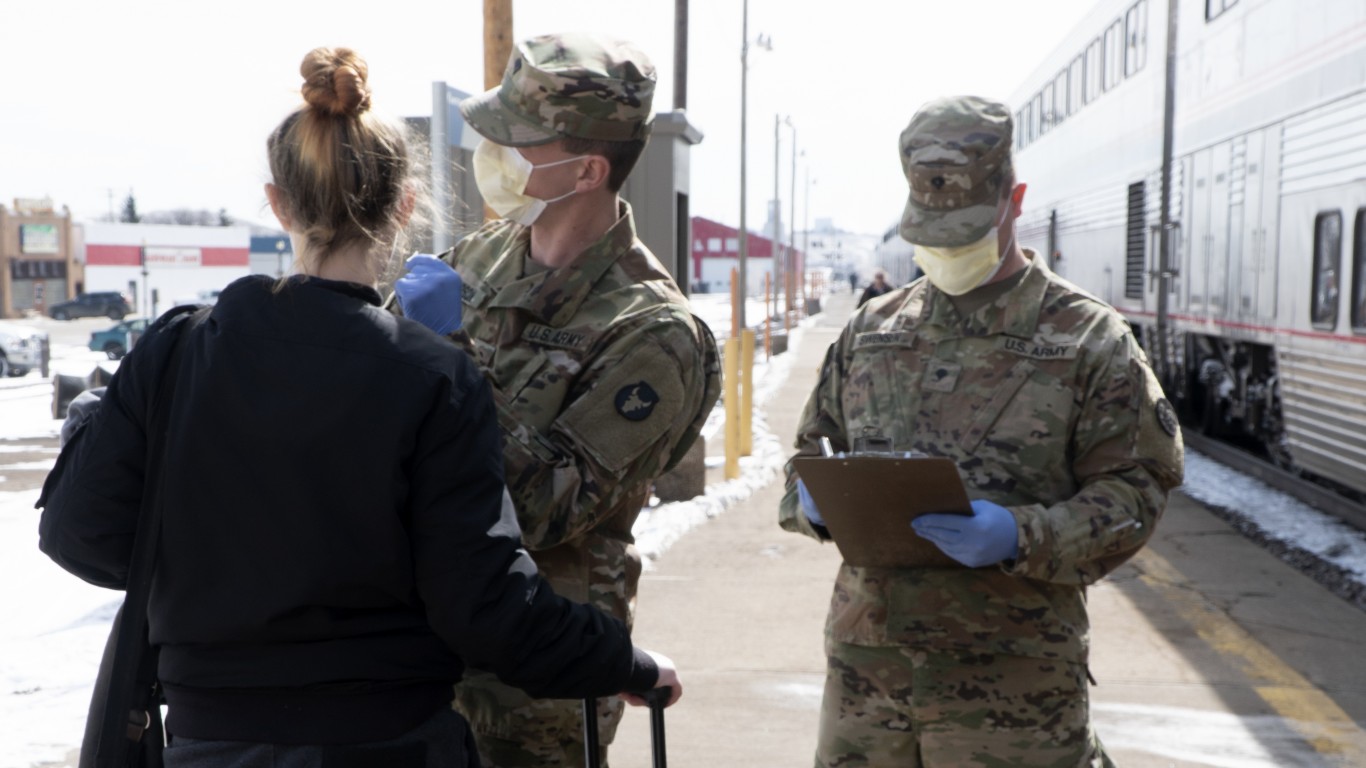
x=868 y=503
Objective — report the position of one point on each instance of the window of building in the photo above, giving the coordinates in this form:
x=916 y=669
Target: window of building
x=713 y=245
x=733 y=245
x=1323 y=305
x=1060 y=87
x=1215 y=8
x=1359 y=273
x=1136 y=38
x=1093 y=68
x=1076 y=91
x=1114 y=54
x=1019 y=128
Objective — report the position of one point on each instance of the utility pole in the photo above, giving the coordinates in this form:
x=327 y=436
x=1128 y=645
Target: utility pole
x=1164 y=244
x=497 y=40
x=497 y=51
x=680 y=54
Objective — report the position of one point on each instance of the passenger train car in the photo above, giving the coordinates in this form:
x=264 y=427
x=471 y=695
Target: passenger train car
x=1250 y=294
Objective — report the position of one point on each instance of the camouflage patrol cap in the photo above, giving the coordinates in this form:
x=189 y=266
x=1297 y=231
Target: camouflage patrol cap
x=956 y=154
x=567 y=85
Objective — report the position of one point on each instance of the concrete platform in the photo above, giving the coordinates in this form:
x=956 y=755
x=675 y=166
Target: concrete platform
x=1208 y=651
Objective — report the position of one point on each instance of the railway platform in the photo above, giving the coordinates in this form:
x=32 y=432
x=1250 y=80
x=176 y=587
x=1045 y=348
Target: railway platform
x=1207 y=649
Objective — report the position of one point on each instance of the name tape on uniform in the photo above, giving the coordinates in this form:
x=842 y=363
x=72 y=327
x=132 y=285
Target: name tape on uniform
x=555 y=337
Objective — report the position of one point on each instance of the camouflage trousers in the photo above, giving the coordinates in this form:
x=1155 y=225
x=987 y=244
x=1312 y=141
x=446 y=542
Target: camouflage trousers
x=514 y=730
x=908 y=708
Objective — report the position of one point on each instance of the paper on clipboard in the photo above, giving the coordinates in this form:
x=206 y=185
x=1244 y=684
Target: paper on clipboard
x=868 y=503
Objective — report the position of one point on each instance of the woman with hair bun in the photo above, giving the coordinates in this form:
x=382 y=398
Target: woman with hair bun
x=336 y=542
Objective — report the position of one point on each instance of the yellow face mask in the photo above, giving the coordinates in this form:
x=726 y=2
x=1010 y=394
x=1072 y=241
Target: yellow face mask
x=955 y=270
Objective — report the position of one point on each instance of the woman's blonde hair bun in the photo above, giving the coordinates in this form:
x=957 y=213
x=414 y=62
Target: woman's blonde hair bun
x=334 y=81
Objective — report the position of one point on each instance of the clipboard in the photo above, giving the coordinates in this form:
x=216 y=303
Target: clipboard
x=868 y=503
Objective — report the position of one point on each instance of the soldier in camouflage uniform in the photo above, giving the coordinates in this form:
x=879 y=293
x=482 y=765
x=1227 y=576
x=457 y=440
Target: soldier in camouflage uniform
x=602 y=376
x=1040 y=394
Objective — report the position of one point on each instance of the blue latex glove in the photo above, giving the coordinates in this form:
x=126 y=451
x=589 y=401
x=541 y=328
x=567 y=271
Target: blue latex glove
x=81 y=409
x=430 y=293
x=986 y=538
x=809 y=505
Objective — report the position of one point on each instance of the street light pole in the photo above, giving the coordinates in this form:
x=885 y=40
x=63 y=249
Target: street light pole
x=744 y=108
x=779 y=258
x=792 y=215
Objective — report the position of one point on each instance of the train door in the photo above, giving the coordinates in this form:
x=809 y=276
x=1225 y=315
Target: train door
x=1259 y=273
x=1197 y=237
x=1216 y=287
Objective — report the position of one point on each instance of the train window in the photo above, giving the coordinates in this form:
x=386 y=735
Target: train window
x=1215 y=8
x=1323 y=305
x=1049 y=117
x=1114 y=54
x=1060 y=97
x=1359 y=273
x=1036 y=118
x=1077 y=91
x=1136 y=38
x=1093 y=70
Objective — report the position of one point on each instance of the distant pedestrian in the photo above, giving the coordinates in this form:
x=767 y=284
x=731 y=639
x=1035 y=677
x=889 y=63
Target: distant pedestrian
x=1042 y=397
x=853 y=282
x=875 y=289
x=337 y=545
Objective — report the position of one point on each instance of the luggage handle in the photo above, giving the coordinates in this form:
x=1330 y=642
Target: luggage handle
x=656 y=698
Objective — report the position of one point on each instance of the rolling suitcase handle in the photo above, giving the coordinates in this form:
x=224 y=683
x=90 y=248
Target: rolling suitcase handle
x=656 y=698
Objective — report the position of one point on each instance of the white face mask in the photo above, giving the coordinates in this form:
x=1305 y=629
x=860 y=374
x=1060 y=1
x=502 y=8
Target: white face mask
x=955 y=270
x=501 y=173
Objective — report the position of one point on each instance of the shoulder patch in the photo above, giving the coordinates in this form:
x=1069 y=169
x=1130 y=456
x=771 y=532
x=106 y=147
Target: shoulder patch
x=1166 y=417
x=635 y=402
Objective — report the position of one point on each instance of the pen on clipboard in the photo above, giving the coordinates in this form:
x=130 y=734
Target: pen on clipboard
x=827 y=450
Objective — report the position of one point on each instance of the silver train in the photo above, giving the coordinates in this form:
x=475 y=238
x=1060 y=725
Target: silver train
x=1248 y=287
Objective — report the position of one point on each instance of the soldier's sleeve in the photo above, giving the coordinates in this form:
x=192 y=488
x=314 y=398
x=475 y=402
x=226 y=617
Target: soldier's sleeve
x=1126 y=454
x=822 y=417
x=629 y=413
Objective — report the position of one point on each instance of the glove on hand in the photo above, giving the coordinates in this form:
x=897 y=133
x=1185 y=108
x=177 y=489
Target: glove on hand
x=986 y=538
x=809 y=505
x=82 y=409
x=430 y=293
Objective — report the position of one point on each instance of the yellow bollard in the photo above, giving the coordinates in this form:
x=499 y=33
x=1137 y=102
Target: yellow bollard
x=731 y=380
x=746 y=392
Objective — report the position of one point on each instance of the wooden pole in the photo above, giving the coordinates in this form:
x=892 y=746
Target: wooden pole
x=768 y=317
x=497 y=40
x=746 y=392
x=731 y=380
x=497 y=51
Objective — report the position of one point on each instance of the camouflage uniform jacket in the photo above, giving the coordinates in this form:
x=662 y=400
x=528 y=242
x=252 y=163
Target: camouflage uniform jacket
x=1047 y=404
x=602 y=379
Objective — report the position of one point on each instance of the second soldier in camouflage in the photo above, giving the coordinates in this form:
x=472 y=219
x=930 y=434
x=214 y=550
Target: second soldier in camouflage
x=1043 y=398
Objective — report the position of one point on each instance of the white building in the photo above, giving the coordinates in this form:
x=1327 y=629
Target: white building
x=161 y=265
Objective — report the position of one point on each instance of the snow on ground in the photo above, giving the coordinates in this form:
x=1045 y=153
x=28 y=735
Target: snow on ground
x=54 y=625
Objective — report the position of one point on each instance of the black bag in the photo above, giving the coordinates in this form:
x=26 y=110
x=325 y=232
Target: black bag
x=123 y=727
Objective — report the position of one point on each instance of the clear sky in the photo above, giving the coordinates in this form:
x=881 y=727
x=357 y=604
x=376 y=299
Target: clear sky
x=174 y=99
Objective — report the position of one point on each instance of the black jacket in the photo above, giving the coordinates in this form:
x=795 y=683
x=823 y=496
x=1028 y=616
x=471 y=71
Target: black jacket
x=335 y=544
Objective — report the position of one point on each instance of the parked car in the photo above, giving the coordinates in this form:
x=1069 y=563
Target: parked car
x=21 y=349
x=110 y=304
x=116 y=341
x=202 y=298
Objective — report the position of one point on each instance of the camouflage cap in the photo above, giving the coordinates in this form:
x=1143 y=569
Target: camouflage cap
x=567 y=85
x=955 y=153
